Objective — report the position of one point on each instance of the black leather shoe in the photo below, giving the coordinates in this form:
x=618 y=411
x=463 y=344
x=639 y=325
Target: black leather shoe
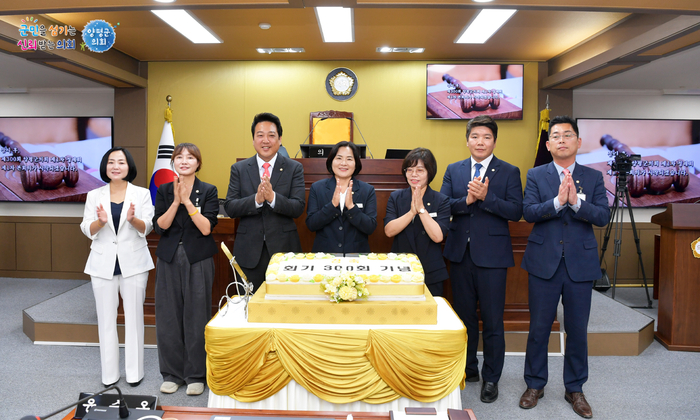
x=472 y=378
x=113 y=383
x=489 y=392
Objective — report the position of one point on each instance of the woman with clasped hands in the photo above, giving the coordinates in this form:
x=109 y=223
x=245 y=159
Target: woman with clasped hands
x=117 y=218
x=342 y=210
x=185 y=216
x=417 y=218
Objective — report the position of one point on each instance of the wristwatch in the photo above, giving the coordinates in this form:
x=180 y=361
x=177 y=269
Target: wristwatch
x=422 y=210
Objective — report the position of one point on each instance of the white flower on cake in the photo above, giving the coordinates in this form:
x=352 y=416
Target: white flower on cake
x=273 y=268
x=391 y=256
x=271 y=277
x=289 y=255
x=307 y=277
x=345 y=287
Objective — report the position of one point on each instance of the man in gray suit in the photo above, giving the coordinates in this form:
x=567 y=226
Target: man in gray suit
x=266 y=192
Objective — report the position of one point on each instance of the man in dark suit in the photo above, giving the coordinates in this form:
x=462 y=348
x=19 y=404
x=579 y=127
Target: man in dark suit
x=563 y=199
x=267 y=192
x=485 y=192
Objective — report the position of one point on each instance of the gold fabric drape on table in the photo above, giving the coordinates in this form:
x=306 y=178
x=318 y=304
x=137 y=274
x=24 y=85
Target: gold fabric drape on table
x=338 y=366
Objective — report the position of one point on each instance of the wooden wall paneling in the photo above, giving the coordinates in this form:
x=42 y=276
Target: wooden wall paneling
x=8 y=256
x=33 y=246
x=69 y=247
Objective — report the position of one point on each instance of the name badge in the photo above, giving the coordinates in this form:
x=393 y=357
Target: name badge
x=360 y=205
x=582 y=196
x=433 y=214
x=199 y=208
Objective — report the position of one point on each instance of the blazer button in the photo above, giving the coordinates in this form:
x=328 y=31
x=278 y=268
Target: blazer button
x=467 y=232
x=566 y=224
x=471 y=215
x=561 y=242
x=340 y=245
x=340 y=228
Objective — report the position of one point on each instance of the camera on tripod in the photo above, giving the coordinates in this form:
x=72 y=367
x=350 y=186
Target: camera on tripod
x=622 y=164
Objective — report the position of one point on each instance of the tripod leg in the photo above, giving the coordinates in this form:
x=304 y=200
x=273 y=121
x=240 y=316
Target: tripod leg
x=618 y=239
x=639 y=249
x=608 y=228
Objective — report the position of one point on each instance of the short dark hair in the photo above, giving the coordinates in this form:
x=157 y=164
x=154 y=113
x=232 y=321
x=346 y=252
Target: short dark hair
x=266 y=116
x=483 y=121
x=129 y=162
x=355 y=154
x=192 y=148
x=424 y=155
x=563 y=119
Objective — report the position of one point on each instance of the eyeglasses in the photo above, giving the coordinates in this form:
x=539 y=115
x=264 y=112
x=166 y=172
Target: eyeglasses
x=415 y=170
x=568 y=135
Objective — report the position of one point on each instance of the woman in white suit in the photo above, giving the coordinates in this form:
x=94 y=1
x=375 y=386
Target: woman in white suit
x=117 y=218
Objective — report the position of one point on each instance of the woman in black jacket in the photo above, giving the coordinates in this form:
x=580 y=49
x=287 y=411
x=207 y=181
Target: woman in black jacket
x=417 y=218
x=342 y=210
x=185 y=216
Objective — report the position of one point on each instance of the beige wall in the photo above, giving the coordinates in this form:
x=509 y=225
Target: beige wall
x=214 y=104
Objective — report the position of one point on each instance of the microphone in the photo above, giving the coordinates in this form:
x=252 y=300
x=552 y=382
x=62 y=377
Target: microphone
x=307 y=137
x=363 y=137
x=123 y=409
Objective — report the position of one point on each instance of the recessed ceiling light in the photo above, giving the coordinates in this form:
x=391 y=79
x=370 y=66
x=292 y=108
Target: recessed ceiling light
x=279 y=50
x=336 y=24
x=400 y=50
x=482 y=1
x=484 y=25
x=265 y=26
x=165 y=1
x=187 y=24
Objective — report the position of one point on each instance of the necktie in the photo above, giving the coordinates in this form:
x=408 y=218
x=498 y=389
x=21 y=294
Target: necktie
x=266 y=169
x=564 y=173
x=477 y=173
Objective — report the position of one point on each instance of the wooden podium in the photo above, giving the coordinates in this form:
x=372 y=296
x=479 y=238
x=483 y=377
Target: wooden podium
x=679 y=277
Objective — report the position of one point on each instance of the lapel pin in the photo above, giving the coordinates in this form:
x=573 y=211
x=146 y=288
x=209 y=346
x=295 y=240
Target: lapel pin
x=197 y=191
x=493 y=170
x=428 y=203
x=577 y=181
x=281 y=169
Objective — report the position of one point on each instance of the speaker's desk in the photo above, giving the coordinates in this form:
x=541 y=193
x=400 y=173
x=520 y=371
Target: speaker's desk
x=337 y=367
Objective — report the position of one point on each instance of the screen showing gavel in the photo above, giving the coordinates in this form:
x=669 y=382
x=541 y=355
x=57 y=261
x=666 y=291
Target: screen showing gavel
x=646 y=177
x=473 y=99
x=40 y=172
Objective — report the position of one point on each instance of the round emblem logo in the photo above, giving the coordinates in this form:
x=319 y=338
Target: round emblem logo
x=99 y=36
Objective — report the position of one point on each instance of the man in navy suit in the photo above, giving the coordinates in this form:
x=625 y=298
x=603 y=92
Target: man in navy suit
x=267 y=192
x=485 y=192
x=563 y=199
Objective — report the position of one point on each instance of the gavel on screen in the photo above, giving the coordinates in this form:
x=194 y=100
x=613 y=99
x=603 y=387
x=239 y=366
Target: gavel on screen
x=470 y=100
x=644 y=180
x=39 y=175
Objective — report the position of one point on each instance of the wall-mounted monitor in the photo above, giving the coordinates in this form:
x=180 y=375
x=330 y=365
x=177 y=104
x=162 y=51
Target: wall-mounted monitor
x=669 y=157
x=464 y=91
x=52 y=158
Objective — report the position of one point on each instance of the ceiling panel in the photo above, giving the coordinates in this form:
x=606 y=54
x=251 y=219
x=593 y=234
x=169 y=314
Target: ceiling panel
x=528 y=36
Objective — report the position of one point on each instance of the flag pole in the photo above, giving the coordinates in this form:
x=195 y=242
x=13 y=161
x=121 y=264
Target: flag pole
x=162 y=170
